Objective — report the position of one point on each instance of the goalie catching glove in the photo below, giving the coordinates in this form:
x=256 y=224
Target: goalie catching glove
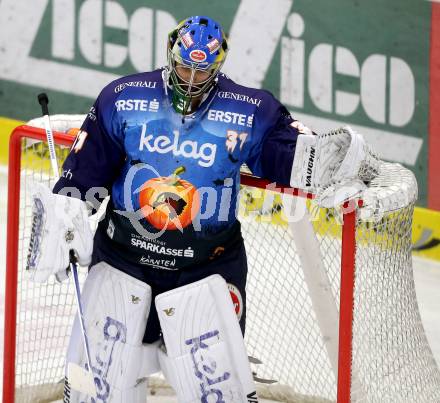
x=59 y=224
x=334 y=165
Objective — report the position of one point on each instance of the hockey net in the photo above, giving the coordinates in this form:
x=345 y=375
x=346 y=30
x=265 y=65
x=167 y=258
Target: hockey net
x=331 y=306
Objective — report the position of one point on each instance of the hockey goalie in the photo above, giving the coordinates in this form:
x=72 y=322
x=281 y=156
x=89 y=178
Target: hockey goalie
x=167 y=147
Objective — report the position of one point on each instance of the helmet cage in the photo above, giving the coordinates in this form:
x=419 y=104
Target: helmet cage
x=190 y=88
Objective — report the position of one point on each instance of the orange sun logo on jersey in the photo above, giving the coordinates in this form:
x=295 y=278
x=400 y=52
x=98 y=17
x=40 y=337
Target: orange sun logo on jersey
x=169 y=202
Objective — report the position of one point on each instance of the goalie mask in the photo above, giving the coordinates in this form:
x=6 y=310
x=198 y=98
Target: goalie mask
x=197 y=49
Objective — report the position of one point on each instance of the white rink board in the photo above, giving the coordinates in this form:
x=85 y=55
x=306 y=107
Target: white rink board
x=427 y=277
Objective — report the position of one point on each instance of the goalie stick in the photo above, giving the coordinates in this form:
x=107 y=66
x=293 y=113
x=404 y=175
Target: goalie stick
x=78 y=378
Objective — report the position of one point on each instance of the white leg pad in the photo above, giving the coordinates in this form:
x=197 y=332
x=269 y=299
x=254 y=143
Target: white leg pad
x=205 y=359
x=116 y=308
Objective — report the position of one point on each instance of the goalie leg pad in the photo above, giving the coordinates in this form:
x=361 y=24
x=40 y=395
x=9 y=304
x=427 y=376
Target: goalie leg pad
x=205 y=355
x=116 y=307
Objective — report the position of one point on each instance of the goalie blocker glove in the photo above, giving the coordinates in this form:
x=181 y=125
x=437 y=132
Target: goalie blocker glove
x=59 y=224
x=336 y=165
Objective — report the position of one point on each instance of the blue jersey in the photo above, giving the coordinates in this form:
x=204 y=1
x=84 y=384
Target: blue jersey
x=179 y=175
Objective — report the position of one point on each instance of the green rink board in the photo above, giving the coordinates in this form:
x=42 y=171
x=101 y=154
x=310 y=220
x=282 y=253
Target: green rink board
x=347 y=62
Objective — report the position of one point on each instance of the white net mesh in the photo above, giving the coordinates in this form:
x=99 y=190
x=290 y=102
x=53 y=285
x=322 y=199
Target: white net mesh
x=392 y=361
x=391 y=356
x=280 y=310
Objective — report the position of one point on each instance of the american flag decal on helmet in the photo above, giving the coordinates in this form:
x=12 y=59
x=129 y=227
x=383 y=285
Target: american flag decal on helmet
x=187 y=40
x=213 y=46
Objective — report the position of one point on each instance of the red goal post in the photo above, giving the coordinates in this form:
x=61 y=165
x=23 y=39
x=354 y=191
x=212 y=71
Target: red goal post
x=342 y=259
